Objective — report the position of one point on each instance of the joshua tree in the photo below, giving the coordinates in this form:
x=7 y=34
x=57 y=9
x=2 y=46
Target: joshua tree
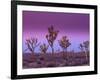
x=64 y=43
x=44 y=48
x=51 y=36
x=32 y=44
x=85 y=48
x=81 y=47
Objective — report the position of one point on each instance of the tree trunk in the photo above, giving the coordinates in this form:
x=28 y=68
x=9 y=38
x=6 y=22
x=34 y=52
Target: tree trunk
x=52 y=50
x=63 y=50
x=86 y=55
x=66 y=50
x=33 y=51
x=67 y=54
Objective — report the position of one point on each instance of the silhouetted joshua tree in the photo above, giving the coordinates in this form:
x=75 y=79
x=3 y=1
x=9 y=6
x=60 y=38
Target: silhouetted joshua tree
x=85 y=48
x=51 y=37
x=32 y=43
x=81 y=47
x=44 y=48
x=64 y=43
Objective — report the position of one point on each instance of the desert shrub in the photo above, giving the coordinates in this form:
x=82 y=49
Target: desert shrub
x=43 y=48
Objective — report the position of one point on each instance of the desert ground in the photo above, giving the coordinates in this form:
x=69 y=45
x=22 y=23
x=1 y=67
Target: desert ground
x=31 y=60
